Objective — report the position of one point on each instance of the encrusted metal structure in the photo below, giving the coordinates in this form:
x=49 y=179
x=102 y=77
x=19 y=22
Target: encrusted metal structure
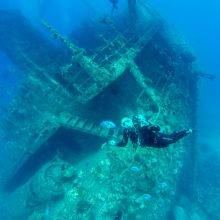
x=67 y=89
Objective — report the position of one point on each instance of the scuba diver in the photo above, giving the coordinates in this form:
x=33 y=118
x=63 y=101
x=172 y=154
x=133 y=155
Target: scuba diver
x=143 y=133
x=106 y=21
x=114 y=4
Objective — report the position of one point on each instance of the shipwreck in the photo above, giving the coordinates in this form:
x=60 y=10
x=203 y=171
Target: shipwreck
x=52 y=134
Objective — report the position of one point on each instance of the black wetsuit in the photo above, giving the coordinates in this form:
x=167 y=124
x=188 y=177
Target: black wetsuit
x=150 y=136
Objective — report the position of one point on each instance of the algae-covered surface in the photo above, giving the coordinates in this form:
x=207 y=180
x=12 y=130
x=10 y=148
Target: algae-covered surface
x=70 y=93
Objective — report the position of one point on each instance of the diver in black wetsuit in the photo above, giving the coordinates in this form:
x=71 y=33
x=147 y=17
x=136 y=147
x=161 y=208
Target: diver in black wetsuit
x=114 y=4
x=142 y=133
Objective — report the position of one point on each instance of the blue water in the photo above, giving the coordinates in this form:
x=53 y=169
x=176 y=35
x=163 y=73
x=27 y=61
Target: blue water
x=197 y=21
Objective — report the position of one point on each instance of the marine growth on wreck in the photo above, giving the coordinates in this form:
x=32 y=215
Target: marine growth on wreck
x=58 y=163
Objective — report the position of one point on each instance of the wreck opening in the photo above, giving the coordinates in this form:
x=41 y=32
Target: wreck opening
x=70 y=145
x=123 y=96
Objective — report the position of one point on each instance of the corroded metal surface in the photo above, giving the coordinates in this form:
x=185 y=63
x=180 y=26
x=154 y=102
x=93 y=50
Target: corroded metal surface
x=146 y=69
